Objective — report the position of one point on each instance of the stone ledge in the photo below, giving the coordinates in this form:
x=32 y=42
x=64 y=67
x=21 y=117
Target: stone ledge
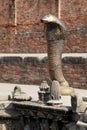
x=67 y=58
x=41 y=55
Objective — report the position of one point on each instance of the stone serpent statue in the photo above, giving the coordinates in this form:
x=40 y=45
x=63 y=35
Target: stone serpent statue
x=55 y=34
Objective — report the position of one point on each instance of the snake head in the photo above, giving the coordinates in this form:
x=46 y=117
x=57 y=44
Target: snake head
x=55 y=29
x=53 y=20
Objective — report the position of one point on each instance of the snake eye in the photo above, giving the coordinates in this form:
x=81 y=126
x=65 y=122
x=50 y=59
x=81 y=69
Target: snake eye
x=41 y=20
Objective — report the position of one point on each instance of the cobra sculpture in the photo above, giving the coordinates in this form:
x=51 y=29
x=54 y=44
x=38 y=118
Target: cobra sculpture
x=55 y=34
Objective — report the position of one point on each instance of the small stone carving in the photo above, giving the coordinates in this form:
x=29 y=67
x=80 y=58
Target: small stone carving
x=55 y=93
x=2 y=106
x=18 y=95
x=44 y=86
x=55 y=90
x=78 y=105
x=76 y=102
x=17 y=89
x=44 y=93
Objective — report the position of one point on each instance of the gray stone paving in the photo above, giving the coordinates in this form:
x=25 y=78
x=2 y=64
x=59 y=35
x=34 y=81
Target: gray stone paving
x=7 y=89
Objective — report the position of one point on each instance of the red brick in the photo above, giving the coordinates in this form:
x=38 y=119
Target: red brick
x=33 y=71
x=73 y=13
x=31 y=11
x=7 y=12
x=28 y=34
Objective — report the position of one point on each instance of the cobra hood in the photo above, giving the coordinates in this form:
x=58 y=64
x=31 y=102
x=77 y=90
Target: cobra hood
x=52 y=19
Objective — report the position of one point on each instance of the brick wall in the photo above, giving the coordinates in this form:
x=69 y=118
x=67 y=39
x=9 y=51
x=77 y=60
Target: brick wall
x=32 y=70
x=75 y=71
x=21 y=30
x=74 y=15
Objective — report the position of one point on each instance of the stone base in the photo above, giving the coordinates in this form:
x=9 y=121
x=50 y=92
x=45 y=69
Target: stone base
x=66 y=91
x=54 y=102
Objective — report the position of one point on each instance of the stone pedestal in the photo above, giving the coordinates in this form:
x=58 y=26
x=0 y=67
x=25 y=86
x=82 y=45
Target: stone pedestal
x=43 y=117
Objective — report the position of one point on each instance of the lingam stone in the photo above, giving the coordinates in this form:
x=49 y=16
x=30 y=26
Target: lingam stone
x=56 y=37
x=55 y=90
x=55 y=93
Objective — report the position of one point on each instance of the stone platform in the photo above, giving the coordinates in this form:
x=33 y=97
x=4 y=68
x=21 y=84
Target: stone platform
x=35 y=115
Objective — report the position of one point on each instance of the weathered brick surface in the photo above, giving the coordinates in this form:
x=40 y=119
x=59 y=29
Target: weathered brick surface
x=32 y=70
x=30 y=35
x=22 y=32
x=30 y=39
x=74 y=15
x=74 y=12
x=7 y=12
x=7 y=39
x=77 y=40
x=4 y=38
x=30 y=11
x=22 y=18
x=75 y=71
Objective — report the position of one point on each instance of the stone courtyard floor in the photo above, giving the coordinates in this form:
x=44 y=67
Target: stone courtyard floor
x=7 y=89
